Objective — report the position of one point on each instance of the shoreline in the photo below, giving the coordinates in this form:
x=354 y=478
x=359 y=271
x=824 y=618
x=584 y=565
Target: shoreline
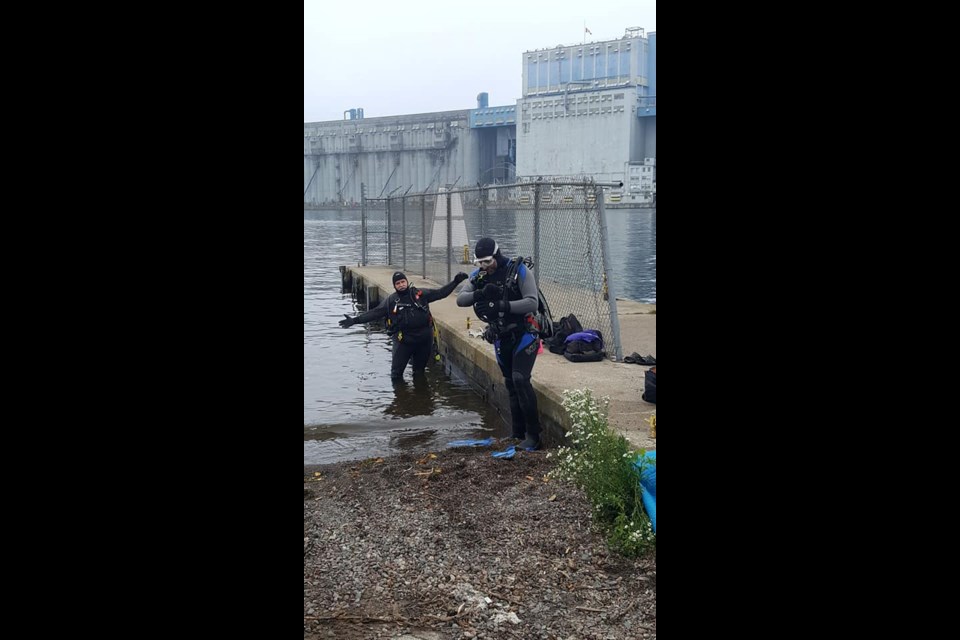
x=456 y=544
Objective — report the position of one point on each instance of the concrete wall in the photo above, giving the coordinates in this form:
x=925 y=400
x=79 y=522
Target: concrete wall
x=591 y=133
x=386 y=153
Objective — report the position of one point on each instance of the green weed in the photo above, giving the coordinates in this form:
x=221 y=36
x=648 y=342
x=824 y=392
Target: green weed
x=600 y=462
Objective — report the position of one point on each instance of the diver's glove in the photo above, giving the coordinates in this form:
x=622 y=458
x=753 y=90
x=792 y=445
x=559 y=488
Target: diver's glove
x=502 y=306
x=491 y=292
x=347 y=321
x=460 y=277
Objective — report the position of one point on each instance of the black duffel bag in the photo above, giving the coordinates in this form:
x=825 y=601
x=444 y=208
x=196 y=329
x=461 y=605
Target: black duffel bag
x=650 y=386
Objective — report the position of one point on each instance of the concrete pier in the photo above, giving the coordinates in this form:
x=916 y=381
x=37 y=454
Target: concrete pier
x=552 y=374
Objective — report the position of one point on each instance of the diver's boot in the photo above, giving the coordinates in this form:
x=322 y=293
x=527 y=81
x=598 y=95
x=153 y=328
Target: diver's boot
x=530 y=444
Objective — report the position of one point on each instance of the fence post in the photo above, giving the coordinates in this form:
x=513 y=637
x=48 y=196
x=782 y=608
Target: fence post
x=423 y=233
x=449 y=233
x=389 y=244
x=363 y=224
x=483 y=212
x=536 y=223
x=403 y=230
x=611 y=292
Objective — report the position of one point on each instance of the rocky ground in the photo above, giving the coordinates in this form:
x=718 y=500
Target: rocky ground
x=458 y=544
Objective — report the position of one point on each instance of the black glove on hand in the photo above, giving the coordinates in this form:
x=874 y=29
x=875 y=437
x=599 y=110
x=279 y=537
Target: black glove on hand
x=492 y=292
x=502 y=306
x=347 y=321
x=460 y=277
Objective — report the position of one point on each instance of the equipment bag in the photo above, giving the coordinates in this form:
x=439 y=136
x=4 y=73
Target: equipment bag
x=650 y=386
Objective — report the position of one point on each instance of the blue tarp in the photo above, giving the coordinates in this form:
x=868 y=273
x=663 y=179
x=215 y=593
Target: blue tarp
x=648 y=484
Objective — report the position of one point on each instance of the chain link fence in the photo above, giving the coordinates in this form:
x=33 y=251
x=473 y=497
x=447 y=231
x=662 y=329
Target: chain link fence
x=561 y=226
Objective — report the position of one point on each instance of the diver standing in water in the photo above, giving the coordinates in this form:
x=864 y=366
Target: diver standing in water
x=504 y=294
x=409 y=322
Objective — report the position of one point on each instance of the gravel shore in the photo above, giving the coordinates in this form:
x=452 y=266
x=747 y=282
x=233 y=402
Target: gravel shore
x=457 y=544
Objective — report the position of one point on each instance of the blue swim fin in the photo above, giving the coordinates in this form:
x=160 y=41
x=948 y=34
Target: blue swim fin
x=506 y=453
x=471 y=443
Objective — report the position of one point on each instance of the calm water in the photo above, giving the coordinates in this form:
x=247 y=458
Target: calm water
x=351 y=410
x=633 y=253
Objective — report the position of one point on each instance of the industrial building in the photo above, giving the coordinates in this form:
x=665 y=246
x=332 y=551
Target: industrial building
x=586 y=110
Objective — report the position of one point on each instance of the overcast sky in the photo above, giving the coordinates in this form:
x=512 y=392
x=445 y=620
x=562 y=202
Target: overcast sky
x=394 y=58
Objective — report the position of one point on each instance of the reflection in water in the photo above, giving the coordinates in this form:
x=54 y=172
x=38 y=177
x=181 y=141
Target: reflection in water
x=422 y=439
x=409 y=400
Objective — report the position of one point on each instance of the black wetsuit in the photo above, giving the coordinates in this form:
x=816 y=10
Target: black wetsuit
x=516 y=341
x=410 y=325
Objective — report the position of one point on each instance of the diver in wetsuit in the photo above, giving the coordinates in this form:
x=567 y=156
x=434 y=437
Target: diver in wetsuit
x=409 y=322
x=504 y=294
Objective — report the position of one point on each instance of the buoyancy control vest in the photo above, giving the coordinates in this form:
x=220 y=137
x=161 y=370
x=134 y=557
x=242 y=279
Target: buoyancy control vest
x=509 y=277
x=480 y=279
x=406 y=314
